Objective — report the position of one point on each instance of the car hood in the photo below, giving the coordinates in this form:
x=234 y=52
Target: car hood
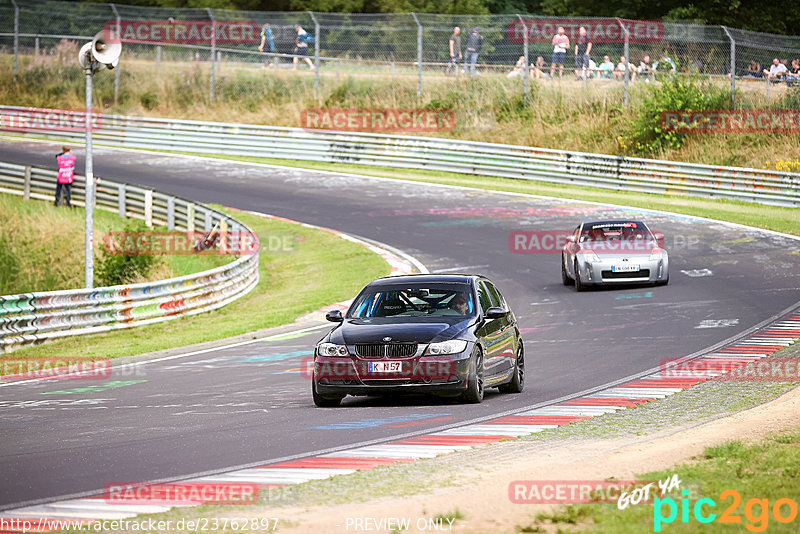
x=408 y=330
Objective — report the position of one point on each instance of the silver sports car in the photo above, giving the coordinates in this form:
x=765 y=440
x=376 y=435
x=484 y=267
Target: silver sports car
x=614 y=252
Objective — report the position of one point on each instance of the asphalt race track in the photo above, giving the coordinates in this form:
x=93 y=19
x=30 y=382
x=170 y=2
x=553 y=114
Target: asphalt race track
x=234 y=406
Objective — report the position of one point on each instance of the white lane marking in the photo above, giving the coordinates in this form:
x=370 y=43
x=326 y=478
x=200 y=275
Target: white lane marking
x=697 y=273
x=456 y=269
x=717 y=323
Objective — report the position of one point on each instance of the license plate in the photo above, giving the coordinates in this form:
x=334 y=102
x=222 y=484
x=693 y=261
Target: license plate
x=385 y=367
x=624 y=268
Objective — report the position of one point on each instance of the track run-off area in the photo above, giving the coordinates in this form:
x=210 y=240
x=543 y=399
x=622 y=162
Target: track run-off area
x=247 y=404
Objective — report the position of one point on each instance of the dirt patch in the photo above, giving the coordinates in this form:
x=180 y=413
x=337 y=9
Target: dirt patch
x=482 y=498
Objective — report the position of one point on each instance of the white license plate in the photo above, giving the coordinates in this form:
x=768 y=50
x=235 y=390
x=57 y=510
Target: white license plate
x=624 y=268
x=385 y=367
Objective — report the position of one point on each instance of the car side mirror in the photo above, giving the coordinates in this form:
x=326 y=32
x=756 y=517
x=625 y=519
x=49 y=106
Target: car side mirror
x=334 y=316
x=495 y=312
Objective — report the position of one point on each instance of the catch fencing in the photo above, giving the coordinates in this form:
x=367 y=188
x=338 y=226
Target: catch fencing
x=37 y=317
x=469 y=157
x=396 y=45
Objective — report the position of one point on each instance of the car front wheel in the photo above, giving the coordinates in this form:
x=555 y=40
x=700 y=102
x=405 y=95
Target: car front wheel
x=474 y=392
x=517 y=382
x=565 y=279
x=324 y=401
x=579 y=286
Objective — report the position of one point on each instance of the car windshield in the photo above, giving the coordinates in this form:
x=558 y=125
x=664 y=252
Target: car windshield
x=620 y=231
x=423 y=300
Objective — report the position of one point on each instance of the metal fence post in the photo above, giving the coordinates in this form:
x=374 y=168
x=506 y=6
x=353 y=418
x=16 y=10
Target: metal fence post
x=158 y=57
x=733 y=66
x=190 y=217
x=208 y=224
x=627 y=61
x=213 y=53
x=148 y=208
x=316 y=50
x=116 y=70
x=525 y=53
x=16 y=37
x=419 y=55
x=26 y=191
x=170 y=213
x=121 y=201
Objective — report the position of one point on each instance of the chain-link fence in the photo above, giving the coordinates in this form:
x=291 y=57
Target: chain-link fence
x=223 y=46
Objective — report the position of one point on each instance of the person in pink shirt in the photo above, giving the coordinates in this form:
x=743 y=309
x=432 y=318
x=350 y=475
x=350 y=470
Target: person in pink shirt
x=66 y=173
x=560 y=47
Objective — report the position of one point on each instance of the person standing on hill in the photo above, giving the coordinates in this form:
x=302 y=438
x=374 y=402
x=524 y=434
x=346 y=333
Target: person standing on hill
x=583 y=47
x=474 y=43
x=66 y=173
x=455 y=51
x=560 y=46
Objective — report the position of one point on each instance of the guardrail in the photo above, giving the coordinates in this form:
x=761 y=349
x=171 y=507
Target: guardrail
x=470 y=157
x=36 y=317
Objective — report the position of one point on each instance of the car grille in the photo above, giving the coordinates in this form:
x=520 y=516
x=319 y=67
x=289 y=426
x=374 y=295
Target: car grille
x=643 y=273
x=390 y=350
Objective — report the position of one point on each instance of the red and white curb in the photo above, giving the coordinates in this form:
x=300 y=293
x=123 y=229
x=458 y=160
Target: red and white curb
x=759 y=344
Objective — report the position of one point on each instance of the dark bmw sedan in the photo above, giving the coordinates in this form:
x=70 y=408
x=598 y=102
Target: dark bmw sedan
x=449 y=335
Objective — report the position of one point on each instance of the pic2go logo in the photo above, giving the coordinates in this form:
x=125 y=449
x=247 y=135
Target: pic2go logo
x=756 y=511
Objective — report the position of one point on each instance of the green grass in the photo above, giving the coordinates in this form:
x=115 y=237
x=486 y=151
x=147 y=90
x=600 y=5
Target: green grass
x=765 y=470
x=323 y=269
x=775 y=218
x=41 y=247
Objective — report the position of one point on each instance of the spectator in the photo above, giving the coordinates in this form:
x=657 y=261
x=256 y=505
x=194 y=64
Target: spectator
x=606 y=68
x=474 y=43
x=518 y=68
x=301 y=47
x=646 y=68
x=66 y=173
x=583 y=47
x=665 y=64
x=695 y=66
x=455 y=51
x=619 y=73
x=793 y=76
x=537 y=69
x=754 y=69
x=560 y=46
x=268 y=39
x=776 y=71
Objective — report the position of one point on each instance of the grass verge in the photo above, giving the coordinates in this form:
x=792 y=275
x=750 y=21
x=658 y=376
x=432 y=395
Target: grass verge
x=291 y=284
x=41 y=247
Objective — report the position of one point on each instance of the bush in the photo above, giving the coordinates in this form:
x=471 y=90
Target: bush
x=675 y=93
x=149 y=100
x=114 y=269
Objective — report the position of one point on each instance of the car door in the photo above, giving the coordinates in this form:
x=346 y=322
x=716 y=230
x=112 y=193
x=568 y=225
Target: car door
x=508 y=333
x=491 y=334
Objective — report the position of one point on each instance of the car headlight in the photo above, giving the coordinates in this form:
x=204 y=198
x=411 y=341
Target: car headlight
x=331 y=349
x=656 y=254
x=446 y=347
x=590 y=256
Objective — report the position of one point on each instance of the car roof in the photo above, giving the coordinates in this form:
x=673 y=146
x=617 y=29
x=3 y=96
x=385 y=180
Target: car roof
x=423 y=278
